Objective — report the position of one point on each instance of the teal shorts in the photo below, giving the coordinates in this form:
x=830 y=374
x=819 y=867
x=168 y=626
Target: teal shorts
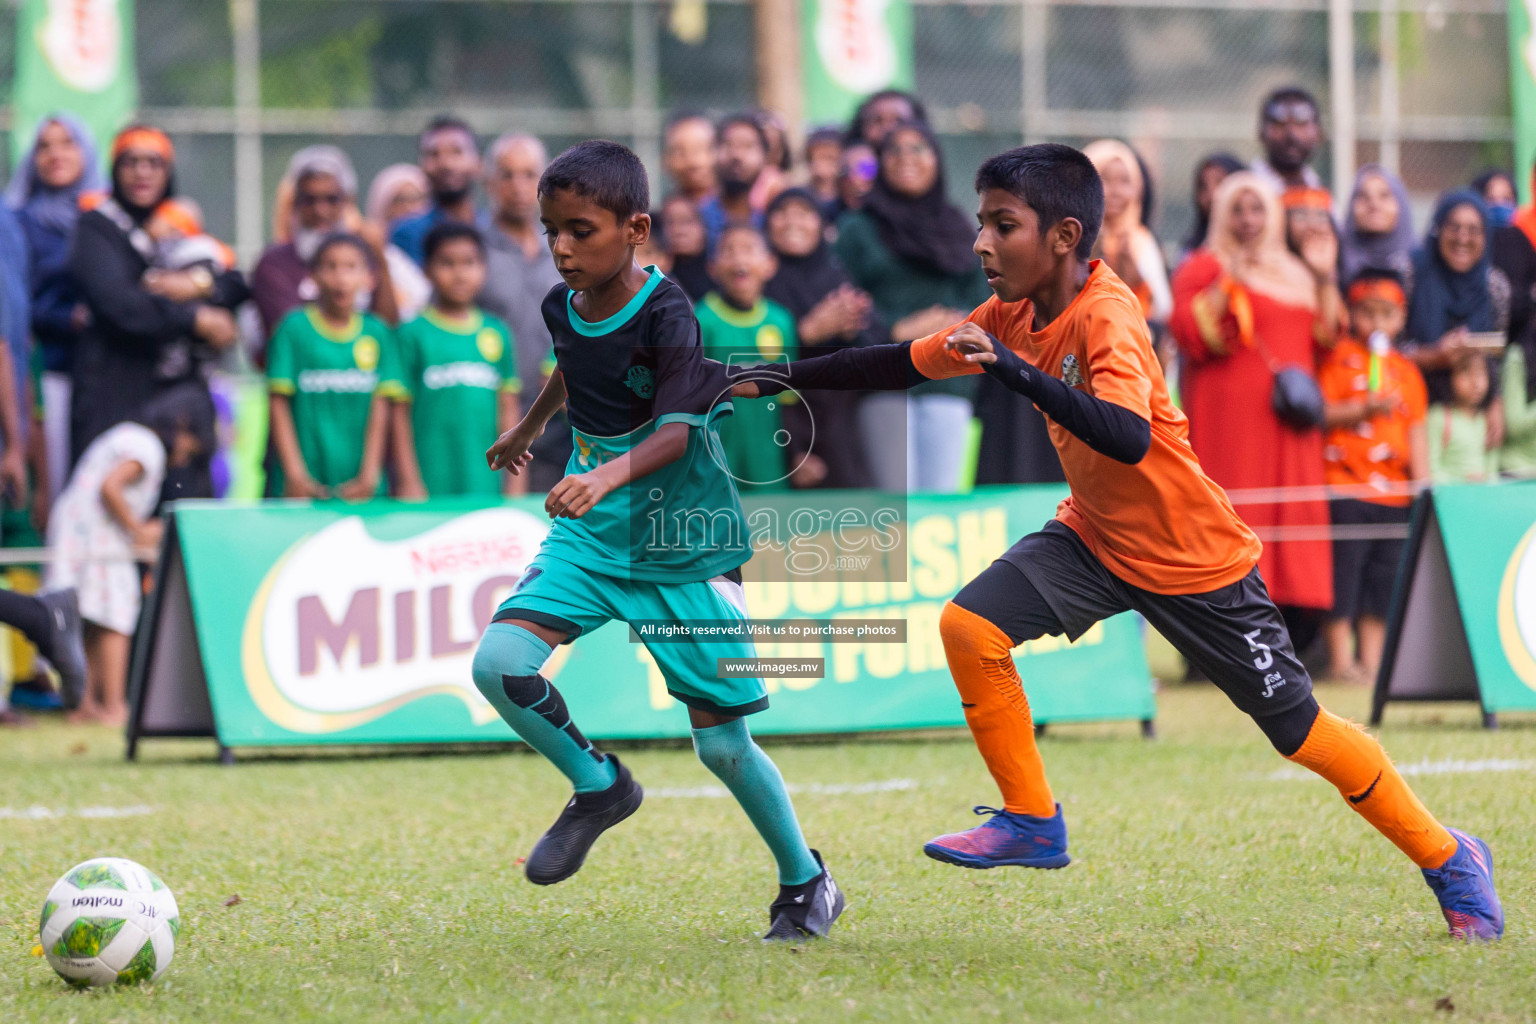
x=562 y=596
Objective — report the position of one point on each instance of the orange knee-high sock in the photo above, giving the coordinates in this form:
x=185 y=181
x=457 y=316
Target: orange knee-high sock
x=1344 y=754
x=981 y=660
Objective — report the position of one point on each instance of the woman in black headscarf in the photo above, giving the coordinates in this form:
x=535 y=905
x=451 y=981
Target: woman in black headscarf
x=144 y=335
x=829 y=313
x=910 y=249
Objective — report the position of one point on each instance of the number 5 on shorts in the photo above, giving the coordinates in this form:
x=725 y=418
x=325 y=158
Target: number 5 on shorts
x=1265 y=658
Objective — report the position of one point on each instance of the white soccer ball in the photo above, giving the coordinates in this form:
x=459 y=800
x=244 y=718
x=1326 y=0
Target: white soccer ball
x=109 y=921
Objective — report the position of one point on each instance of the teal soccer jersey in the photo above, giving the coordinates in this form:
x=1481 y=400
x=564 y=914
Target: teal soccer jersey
x=668 y=546
x=642 y=368
x=330 y=376
x=452 y=373
x=753 y=438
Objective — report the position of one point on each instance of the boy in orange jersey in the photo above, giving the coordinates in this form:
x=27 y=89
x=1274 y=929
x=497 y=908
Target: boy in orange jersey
x=1143 y=529
x=1375 y=449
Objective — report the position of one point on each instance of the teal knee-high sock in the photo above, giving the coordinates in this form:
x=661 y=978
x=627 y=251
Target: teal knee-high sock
x=753 y=778
x=506 y=671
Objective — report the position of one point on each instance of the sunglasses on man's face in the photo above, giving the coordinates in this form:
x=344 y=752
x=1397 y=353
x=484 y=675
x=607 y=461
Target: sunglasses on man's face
x=1296 y=112
x=320 y=199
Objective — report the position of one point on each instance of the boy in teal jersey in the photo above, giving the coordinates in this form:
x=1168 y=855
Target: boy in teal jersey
x=329 y=371
x=647 y=526
x=737 y=322
x=459 y=382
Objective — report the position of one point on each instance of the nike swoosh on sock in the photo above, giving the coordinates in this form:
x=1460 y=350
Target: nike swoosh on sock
x=1368 y=790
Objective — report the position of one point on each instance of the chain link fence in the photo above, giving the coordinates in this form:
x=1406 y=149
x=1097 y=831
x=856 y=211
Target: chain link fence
x=241 y=85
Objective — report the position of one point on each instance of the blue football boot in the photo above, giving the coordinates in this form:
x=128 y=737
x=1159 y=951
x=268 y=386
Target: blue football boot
x=1006 y=839
x=1464 y=887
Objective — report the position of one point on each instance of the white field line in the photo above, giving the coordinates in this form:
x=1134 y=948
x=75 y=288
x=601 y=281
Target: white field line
x=43 y=813
x=814 y=788
x=1445 y=766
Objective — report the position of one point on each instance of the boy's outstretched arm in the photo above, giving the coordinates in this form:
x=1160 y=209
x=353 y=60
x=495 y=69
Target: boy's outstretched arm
x=1107 y=428
x=876 y=368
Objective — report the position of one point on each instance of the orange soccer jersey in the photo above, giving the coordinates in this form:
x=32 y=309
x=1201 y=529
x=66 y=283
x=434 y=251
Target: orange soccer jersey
x=1373 y=453
x=1161 y=524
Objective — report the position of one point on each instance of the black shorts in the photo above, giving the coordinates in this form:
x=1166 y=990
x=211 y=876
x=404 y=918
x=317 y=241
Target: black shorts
x=1365 y=571
x=1050 y=583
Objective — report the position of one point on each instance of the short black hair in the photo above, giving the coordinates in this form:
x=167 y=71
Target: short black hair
x=1288 y=94
x=1055 y=181
x=450 y=231
x=605 y=172
x=336 y=238
x=750 y=120
x=449 y=123
x=1482 y=181
x=737 y=227
x=683 y=115
x=823 y=135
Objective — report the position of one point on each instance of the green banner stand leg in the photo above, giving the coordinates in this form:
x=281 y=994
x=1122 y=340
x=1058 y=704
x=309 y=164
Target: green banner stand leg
x=1463 y=618
x=167 y=687
x=1425 y=657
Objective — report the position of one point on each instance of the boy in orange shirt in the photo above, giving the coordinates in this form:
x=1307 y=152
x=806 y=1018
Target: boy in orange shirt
x=1144 y=529
x=1375 y=450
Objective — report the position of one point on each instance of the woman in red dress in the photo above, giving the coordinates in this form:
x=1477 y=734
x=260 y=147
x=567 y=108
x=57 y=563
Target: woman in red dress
x=1244 y=306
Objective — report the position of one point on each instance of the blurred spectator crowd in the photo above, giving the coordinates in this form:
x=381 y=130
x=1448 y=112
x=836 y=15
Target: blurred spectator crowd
x=1332 y=357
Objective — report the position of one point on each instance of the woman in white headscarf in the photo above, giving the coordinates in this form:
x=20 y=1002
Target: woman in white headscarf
x=1124 y=241
x=397 y=192
x=1243 y=307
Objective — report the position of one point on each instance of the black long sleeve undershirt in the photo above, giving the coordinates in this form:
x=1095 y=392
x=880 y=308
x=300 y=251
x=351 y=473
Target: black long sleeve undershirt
x=1107 y=428
x=876 y=368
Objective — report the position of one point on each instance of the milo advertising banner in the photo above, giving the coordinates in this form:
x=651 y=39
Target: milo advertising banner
x=1463 y=622
x=73 y=56
x=303 y=624
x=851 y=48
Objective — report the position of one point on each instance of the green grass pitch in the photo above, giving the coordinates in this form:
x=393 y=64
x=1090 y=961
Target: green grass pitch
x=1211 y=883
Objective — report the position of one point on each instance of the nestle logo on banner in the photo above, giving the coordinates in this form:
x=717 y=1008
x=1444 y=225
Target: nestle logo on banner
x=485 y=553
x=347 y=627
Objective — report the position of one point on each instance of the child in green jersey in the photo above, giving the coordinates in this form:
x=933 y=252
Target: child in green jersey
x=459 y=382
x=329 y=371
x=647 y=526
x=737 y=324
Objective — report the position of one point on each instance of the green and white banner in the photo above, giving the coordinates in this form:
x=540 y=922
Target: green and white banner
x=1522 y=89
x=73 y=56
x=851 y=48
x=290 y=623
x=1463 y=623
